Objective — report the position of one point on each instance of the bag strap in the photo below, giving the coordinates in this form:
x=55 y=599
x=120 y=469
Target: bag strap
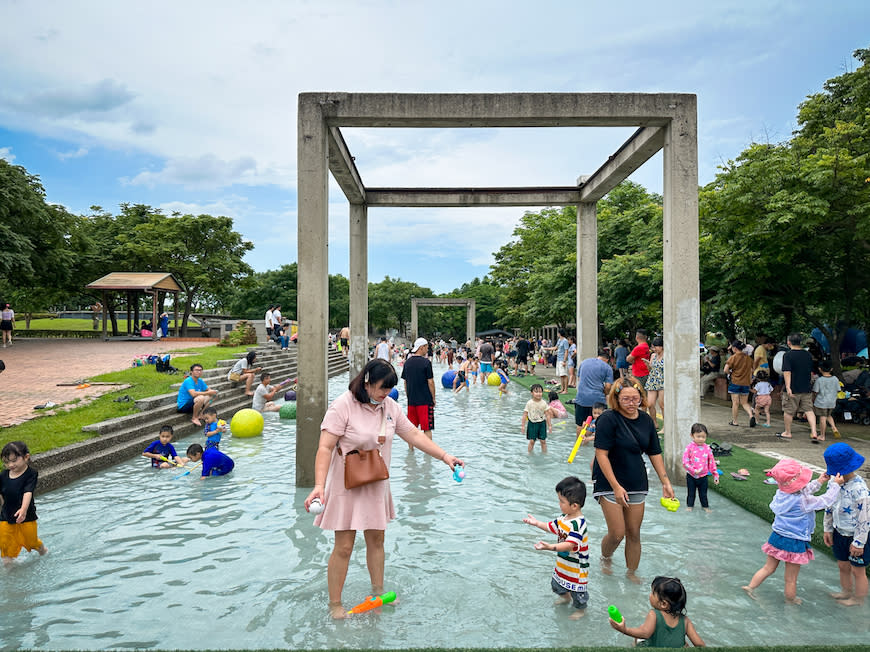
x=383 y=433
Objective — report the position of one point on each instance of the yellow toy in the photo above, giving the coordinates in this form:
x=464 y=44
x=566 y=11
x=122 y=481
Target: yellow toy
x=671 y=504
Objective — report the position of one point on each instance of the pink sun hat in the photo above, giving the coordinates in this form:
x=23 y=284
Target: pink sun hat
x=791 y=476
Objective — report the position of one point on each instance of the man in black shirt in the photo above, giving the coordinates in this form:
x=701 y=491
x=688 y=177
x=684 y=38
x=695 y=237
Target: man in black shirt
x=523 y=346
x=420 y=387
x=797 y=368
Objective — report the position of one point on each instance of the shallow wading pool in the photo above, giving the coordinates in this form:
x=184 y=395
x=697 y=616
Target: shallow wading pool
x=139 y=559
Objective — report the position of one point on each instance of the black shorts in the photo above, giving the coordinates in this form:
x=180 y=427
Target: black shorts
x=841 y=550
x=187 y=409
x=581 y=413
x=536 y=430
x=522 y=358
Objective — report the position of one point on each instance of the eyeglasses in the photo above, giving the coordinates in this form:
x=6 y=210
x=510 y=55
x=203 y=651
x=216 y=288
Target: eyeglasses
x=629 y=399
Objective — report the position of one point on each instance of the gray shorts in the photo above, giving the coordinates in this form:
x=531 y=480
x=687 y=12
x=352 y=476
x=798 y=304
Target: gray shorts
x=633 y=499
x=578 y=600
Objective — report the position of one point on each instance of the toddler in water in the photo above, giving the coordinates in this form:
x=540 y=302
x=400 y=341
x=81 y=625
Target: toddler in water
x=18 y=513
x=847 y=522
x=213 y=428
x=762 y=391
x=555 y=407
x=794 y=507
x=572 y=566
x=698 y=461
x=666 y=624
x=536 y=419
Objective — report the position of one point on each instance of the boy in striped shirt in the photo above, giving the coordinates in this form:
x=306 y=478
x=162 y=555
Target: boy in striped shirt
x=572 y=563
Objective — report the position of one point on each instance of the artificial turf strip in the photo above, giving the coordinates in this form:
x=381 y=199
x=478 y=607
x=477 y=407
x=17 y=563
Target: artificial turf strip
x=741 y=648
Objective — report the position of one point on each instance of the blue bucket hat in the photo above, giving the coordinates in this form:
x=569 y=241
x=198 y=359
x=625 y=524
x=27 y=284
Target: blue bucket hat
x=842 y=458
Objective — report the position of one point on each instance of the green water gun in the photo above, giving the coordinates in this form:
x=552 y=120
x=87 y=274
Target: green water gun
x=614 y=614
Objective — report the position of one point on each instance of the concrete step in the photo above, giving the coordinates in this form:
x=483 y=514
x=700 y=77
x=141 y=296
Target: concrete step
x=125 y=437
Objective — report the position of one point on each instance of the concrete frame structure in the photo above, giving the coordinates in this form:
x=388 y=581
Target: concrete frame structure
x=470 y=314
x=666 y=121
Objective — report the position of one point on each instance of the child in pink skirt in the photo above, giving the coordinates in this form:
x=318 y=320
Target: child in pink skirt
x=794 y=507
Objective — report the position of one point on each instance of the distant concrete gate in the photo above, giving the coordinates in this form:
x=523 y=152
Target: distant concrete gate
x=470 y=314
x=665 y=121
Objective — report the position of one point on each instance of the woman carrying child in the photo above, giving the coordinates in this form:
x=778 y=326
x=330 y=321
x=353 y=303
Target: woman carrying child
x=794 y=507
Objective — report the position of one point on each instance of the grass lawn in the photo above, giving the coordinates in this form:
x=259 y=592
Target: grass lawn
x=80 y=324
x=54 y=431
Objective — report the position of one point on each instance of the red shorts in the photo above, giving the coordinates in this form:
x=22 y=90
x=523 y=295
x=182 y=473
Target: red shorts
x=422 y=416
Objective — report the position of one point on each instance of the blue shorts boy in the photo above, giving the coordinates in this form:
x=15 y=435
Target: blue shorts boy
x=579 y=600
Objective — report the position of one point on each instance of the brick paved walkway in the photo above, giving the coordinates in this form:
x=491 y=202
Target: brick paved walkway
x=34 y=367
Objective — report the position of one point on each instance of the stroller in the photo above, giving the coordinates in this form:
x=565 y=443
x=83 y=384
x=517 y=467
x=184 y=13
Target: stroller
x=855 y=406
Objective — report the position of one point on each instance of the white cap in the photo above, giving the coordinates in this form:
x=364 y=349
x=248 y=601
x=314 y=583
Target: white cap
x=420 y=341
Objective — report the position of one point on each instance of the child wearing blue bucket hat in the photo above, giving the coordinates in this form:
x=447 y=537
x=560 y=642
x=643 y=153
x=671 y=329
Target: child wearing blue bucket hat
x=846 y=524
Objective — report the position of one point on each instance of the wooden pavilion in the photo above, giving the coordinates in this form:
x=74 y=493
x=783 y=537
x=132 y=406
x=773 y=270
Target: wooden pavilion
x=133 y=283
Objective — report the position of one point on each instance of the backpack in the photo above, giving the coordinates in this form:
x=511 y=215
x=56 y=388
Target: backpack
x=163 y=366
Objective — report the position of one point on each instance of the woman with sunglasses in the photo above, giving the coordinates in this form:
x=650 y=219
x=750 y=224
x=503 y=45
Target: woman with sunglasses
x=623 y=435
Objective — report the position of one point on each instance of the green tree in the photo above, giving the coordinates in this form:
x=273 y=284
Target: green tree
x=786 y=226
x=265 y=289
x=390 y=303
x=36 y=259
x=202 y=251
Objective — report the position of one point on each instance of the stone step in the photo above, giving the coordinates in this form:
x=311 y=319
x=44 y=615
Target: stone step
x=125 y=437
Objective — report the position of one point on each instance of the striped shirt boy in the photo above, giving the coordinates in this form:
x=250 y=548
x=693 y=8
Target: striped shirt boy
x=572 y=567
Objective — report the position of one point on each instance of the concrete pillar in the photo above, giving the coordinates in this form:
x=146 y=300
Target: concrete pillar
x=313 y=285
x=414 y=323
x=587 y=280
x=359 y=288
x=682 y=320
x=471 y=320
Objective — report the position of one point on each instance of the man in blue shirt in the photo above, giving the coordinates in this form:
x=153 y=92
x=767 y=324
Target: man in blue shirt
x=594 y=379
x=194 y=394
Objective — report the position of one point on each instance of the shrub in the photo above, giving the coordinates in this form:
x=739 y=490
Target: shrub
x=244 y=333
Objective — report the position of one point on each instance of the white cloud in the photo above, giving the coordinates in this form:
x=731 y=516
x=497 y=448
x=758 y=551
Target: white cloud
x=88 y=100
x=6 y=154
x=78 y=153
x=206 y=171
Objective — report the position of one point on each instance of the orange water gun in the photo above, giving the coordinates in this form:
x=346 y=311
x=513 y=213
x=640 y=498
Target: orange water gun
x=372 y=602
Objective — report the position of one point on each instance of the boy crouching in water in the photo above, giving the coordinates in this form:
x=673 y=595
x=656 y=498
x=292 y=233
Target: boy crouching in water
x=572 y=563
x=213 y=461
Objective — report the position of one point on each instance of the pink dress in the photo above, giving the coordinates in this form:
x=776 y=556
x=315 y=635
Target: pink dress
x=357 y=426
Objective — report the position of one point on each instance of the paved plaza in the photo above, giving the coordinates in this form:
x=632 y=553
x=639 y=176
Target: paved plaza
x=35 y=368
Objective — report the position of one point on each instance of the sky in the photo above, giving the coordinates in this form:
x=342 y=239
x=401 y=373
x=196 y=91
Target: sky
x=191 y=106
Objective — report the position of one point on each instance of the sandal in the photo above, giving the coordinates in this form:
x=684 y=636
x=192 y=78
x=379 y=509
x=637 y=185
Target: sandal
x=783 y=435
x=731 y=423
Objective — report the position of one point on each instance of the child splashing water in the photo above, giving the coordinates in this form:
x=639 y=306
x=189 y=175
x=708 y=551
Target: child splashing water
x=666 y=624
x=18 y=514
x=794 y=507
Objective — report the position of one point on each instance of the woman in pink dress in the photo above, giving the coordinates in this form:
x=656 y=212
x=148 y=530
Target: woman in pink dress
x=355 y=420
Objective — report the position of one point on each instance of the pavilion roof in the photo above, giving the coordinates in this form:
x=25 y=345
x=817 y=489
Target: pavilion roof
x=143 y=281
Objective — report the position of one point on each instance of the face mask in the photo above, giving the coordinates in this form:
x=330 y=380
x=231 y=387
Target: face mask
x=374 y=402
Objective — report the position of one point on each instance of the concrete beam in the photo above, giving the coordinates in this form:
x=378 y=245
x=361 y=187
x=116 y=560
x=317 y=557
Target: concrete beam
x=636 y=151
x=496 y=109
x=455 y=197
x=343 y=168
